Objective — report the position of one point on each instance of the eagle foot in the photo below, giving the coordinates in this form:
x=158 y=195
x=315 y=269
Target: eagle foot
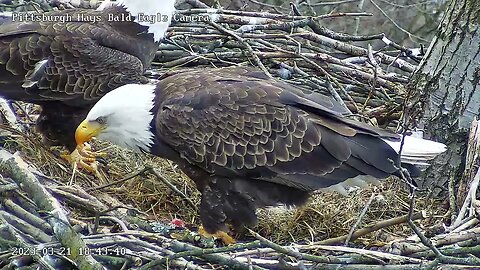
x=224 y=236
x=83 y=157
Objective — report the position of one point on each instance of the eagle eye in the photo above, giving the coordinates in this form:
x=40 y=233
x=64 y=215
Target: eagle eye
x=101 y=120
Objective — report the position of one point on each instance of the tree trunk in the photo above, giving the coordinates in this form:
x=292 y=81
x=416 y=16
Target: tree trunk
x=446 y=89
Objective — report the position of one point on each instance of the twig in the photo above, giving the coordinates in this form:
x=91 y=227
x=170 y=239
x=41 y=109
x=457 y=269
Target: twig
x=25 y=227
x=409 y=246
x=469 y=199
x=359 y=219
x=249 y=48
x=8 y=187
x=296 y=254
x=363 y=252
x=58 y=220
x=19 y=242
x=222 y=259
x=126 y=178
x=472 y=158
x=375 y=227
x=369 y=267
x=200 y=252
x=440 y=256
x=167 y=182
x=333 y=3
x=469 y=223
x=394 y=23
x=158 y=175
x=451 y=250
x=34 y=220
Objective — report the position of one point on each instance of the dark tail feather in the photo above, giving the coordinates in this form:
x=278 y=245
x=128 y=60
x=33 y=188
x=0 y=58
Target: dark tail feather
x=235 y=201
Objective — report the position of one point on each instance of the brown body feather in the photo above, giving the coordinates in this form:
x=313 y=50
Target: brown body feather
x=67 y=66
x=249 y=141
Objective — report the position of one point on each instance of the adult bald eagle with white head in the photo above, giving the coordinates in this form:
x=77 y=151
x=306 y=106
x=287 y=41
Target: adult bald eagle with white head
x=249 y=141
x=66 y=64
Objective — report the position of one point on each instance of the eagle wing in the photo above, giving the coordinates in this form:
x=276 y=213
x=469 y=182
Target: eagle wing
x=239 y=123
x=72 y=61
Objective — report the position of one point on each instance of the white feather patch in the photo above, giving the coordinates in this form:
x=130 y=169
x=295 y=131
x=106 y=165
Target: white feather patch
x=156 y=14
x=127 y=111
x=159 y=11
x=33 y=76
x=417 y=150
x=346 y=186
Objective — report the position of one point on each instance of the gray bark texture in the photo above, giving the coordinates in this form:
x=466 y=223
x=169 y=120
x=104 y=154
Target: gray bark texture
x=446 y=90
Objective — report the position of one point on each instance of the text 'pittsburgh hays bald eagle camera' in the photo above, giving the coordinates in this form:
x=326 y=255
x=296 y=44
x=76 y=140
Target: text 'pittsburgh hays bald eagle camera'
x=249 y=141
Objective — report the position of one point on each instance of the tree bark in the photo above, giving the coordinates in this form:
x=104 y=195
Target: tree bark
x=445 y=87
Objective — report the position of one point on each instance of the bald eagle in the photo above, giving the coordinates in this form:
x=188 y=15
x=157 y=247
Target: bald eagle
x=248 y=141
x=69 y=60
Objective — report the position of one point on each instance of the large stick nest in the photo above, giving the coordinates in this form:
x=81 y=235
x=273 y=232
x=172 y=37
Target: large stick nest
x=142 y=212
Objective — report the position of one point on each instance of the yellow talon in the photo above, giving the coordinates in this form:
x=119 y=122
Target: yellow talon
x=84 y=158
x=224 y=236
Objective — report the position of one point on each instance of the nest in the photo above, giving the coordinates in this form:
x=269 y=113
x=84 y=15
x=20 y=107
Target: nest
x=141 y=214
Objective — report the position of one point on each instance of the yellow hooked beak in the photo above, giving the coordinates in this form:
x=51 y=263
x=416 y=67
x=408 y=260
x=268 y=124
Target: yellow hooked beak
x=87 y=130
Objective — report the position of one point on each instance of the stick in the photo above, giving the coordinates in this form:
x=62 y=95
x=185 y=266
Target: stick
x=375 y=227
x=296 y=254
x=406 y=247
x=19 y=242
x=126 y=178
x=34 y=220
x=378 y=254
x=168 y=182
x=427 y=242
x=200 y=252
x=359 y=219
x=249 y=48
x=18 y=171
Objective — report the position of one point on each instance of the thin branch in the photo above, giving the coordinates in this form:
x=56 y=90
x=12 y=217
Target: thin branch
x=168 y=182
x=249 y=48
x=372 y=228
x=58 y=219
x=359 y=219
x=395 y=24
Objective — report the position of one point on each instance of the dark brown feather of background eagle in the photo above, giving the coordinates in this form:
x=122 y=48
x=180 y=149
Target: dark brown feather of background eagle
x=67 y=66
x=246 y=140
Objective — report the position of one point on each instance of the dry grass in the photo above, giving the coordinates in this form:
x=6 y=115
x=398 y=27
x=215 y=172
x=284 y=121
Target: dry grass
x=329 y=215
x=325 y=216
